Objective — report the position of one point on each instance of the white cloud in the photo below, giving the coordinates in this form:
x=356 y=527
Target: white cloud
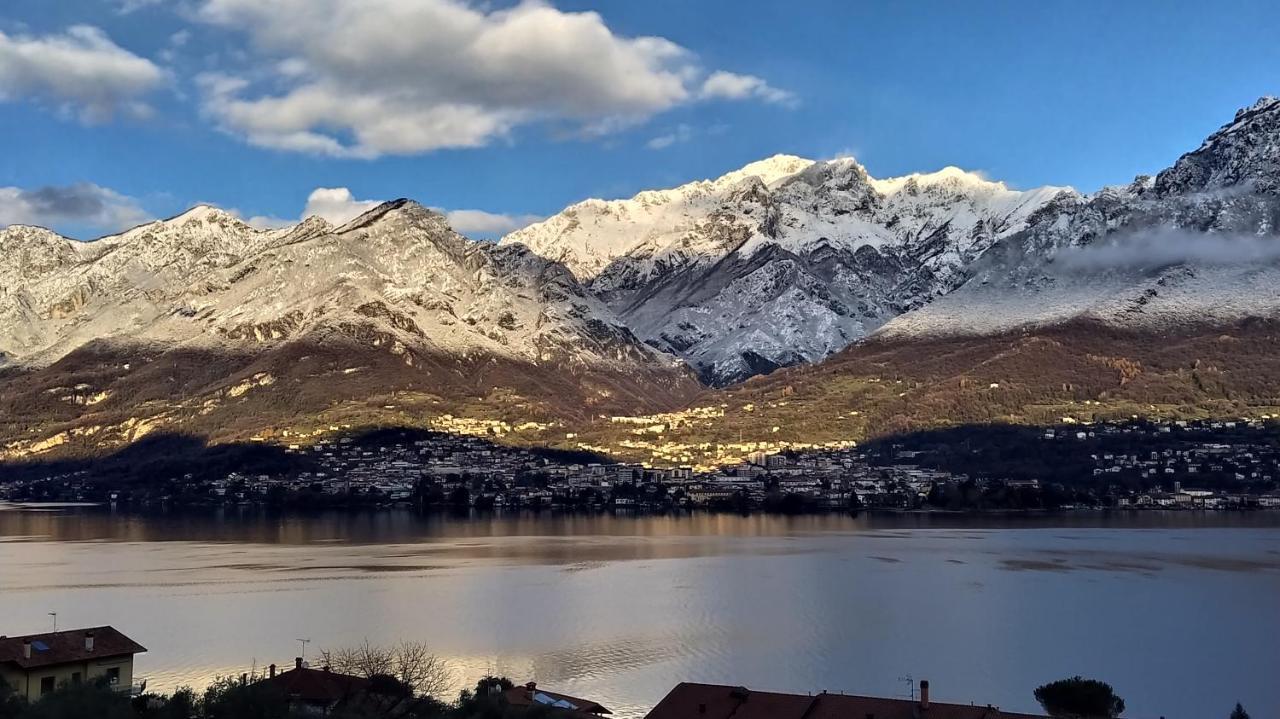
x=681 y=133
x=125 y=7
x=721 y=85
x=264 y=222
x=339 y=206
x=80 y=71
x=336 y=204
x=84 y=204
x=479 y=222
x=365 y=78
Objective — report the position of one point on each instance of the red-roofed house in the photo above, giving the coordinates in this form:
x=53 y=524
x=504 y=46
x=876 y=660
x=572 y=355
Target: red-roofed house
x=713 y=701
x=36 y=664
x=315 y=691
x=530 y=695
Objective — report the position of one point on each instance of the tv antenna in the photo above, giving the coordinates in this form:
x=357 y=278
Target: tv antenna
x=911 y=685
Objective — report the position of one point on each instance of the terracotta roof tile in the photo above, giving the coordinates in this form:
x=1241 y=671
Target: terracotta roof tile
x=523 y=696
x=713 y=701
x=316 y=685
x=65 y=647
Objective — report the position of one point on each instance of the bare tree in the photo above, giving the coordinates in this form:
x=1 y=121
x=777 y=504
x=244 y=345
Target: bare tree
x=412 y=663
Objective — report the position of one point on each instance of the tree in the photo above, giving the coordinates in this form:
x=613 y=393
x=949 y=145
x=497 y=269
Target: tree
x=485 y=701
x=184 y=703
x=412 y=663
x=229 y=698
x=10 y=705
x=1239 y=712
x=76 y=701
x=1080 y=698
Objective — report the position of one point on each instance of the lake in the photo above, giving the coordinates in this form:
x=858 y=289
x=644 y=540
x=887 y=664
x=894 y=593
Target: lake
x=1179 y=611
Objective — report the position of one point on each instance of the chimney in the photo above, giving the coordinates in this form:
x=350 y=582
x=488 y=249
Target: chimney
x=297 y=662
x=271 y=672
x=26 y=648
x=88 y=641
x=531 y=686
x=924 y=694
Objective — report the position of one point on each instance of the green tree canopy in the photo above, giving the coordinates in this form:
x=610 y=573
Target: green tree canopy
x=1080 y=698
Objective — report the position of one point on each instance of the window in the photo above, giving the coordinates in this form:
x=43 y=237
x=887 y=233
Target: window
x=46 y=685
x=75 y=677
x=113 y=675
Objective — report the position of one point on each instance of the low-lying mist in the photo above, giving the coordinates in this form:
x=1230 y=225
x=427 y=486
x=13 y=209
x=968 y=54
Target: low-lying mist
x=1154 y=249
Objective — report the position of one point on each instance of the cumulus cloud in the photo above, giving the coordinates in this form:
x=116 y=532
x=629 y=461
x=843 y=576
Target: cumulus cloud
x=336 y=204
x=80 y=71
x=479 y=222
x=339 y=206
x=82 y=204
x=731 y=86
x=365 y=78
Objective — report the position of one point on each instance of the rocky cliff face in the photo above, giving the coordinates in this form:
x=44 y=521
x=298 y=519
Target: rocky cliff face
x=202 y=323
x=784 y=261
x=206 y=279
x=1198 y=243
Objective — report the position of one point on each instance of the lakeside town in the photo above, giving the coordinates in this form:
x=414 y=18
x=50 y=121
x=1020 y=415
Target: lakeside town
x=1207 y=465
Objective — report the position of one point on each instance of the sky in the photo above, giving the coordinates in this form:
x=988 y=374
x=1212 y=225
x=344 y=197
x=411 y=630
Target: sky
x=115 y=112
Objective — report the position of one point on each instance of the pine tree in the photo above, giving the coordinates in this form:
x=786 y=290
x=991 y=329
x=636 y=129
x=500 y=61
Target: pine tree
x=1239 y=712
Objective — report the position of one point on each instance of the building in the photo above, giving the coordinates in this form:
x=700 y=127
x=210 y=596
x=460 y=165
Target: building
x=712 y=701
x=529 y=695
x=37 y=664
x=314 y=691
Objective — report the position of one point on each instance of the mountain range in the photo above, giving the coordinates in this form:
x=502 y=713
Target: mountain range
x=801 y=289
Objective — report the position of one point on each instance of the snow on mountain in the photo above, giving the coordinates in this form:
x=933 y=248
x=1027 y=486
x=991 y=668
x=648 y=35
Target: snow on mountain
x=397 y=276
x=1198 y=243
x=783 y=261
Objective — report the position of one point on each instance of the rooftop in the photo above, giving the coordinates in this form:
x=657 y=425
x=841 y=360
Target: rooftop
x=530 y=694
x=713 y=701
x=318 y=686
x=66 y=647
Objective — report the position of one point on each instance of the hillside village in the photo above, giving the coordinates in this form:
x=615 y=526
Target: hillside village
x=1175 y=465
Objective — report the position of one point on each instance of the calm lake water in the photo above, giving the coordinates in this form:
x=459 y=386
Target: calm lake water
x=1180 y=612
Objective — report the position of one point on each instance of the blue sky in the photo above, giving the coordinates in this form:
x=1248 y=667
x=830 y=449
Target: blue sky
x=115 y=111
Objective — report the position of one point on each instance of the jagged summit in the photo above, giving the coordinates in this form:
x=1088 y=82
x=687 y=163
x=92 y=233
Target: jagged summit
x=1199 y=243
x=202 y=213
x=1245 y=151
x=769 y=170
x=782 y=261
x=950 y=176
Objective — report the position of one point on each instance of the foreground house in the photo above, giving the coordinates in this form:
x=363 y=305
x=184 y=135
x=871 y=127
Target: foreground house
x=314 y=691
x=529 y=696
x=37 y=664
x=713 y=701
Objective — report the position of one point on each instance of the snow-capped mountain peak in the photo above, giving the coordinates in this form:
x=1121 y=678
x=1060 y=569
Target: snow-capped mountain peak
x=784 y=260
x=770 y=170
x=1243 y=151
x=949 y=176
x=1198 y=243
